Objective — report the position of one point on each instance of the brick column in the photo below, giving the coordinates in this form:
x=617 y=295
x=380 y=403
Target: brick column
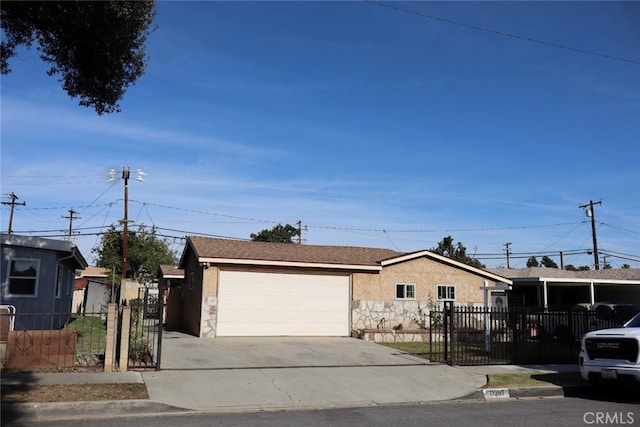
x=112 y=334
x=124 y=338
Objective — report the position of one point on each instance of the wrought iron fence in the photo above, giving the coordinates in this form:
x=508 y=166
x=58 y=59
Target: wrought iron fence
x=36 y=340
x=479 y=336
x=145 y=336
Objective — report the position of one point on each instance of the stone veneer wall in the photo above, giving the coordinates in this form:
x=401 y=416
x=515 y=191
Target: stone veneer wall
x=376 y=314
x=402 y=336
x=209 y=317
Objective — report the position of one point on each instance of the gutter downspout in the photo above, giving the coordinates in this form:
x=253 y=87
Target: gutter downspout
x=545 y=295
x=592 y=292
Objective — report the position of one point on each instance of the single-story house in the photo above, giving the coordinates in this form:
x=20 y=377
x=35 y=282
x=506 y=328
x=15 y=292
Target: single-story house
x=246 y=288
x=553 y=288
x=38 y=280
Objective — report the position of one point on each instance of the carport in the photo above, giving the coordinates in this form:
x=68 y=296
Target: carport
x=554 y=288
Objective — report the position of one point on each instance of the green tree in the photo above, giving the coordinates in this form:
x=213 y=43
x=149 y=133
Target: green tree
x=448 y=248
x=533 y=262
x=145 y=252
x=571 y=267
x=548 y=262
x=95 y=47
x=278 y=234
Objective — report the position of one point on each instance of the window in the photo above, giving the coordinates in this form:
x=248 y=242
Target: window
x=59 y=279
x=405 y=291
x=23 y=276
x=446 y=293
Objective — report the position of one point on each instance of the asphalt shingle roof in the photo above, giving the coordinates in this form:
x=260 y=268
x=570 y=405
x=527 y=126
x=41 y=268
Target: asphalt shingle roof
x=170 y=270
x=206 y=247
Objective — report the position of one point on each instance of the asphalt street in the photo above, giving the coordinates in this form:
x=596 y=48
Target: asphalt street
x=558 y=412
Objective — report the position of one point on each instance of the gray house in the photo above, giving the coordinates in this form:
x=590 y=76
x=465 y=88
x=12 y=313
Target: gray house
x=37 y=280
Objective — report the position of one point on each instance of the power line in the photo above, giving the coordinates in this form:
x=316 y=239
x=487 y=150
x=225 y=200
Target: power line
x=622 y=230
x=391 y=240
x=444 y=230
x=145 y=205
x=502 y=33
x=629 y=257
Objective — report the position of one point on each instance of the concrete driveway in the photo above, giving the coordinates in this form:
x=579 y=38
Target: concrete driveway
x=222 y=374
x=185 y=352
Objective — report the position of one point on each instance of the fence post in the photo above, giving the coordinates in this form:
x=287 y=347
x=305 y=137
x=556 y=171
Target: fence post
x=160 y=315
x=445 y=325
x=112 y=334
x=124 y=338
x=430 y=335
x=452 y=344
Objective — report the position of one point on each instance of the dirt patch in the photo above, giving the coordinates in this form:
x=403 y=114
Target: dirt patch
x=72 y=392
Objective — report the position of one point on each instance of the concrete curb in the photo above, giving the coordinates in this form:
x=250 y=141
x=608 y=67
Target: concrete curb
x=533 y=392
x=105 y=409
x=57 y=411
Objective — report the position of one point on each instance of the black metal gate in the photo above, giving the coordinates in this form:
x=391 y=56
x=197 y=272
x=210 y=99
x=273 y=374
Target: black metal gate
x=484 y=336
x=145 y=334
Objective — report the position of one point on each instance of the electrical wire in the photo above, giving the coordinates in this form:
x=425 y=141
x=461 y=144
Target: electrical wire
x=101 y=194
x=502 y=33
x=391 y=240
x=144 y=206
x=622 y=230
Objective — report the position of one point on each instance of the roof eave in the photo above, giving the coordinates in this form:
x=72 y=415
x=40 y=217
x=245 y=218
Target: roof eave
x=271 y=263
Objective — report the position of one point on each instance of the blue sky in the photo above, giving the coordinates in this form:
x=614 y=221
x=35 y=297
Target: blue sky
x=373 y=126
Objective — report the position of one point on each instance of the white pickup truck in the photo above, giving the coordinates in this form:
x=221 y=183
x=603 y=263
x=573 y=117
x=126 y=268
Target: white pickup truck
x=612 y=354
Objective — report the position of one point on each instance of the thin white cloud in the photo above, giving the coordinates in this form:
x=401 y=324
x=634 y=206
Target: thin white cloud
x=18 y=115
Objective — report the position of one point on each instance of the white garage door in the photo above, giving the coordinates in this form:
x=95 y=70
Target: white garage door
x=277 y=304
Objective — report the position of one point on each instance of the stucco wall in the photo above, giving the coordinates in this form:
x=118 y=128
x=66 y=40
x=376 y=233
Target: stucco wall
x=375 y=306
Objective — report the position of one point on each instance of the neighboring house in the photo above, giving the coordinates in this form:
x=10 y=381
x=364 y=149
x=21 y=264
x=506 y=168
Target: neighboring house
x=563 y=289
x=245 y=288
x=92 y=290
x=38 y=278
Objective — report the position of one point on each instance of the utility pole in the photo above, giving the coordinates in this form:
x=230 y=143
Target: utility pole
x=508 y=252
x=588 y=209
x=126 y=174
x=13 y=204
x=71 y=218
x=299 y=224
x=125 y=228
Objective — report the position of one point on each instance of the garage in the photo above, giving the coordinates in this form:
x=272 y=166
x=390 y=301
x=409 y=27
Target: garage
x=282 y=304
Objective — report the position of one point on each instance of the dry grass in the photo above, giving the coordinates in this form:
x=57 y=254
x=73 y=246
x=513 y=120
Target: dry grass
x=72 y=393
x=533 y=380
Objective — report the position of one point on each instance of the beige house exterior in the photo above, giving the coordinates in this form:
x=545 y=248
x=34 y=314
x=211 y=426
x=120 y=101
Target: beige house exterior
x=234 y=287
